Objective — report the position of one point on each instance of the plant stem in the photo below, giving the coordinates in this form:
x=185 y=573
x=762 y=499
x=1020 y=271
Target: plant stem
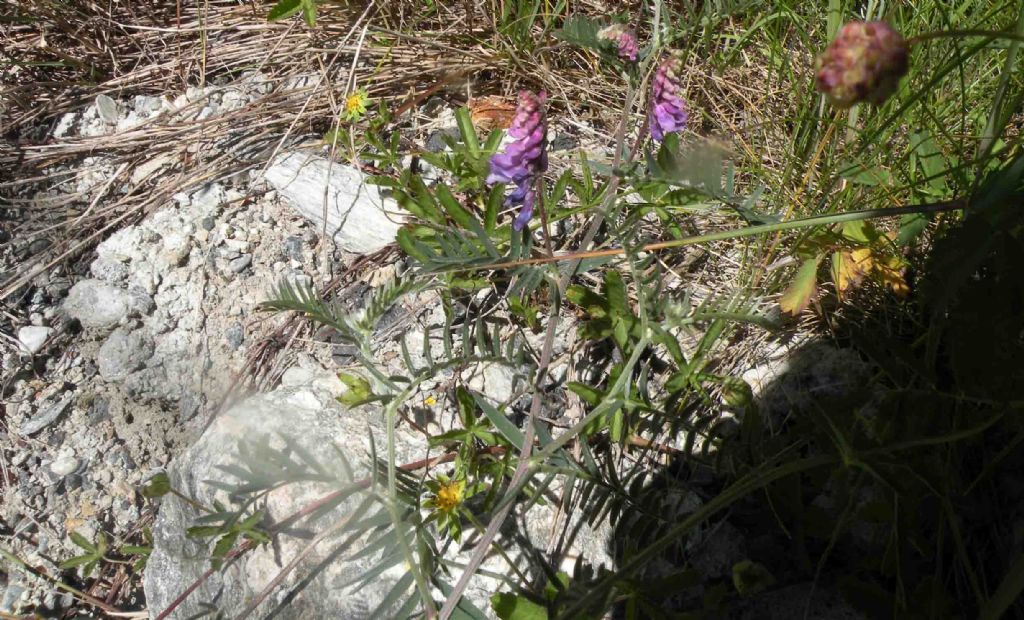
x=817 y=220
x=963 y=34
x=91 y=600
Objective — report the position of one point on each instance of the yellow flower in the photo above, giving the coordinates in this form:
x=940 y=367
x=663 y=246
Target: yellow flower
x=449 y=495
x=355 y=105
x=430 y=401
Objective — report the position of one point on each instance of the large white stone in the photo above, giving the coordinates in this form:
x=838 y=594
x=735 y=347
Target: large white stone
x=358 y=217
x=324 y=586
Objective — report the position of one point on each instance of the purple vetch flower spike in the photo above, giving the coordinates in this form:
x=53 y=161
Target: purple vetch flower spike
x=525 y=157
x=624 y=38
x=667 y=112
x=864 y=63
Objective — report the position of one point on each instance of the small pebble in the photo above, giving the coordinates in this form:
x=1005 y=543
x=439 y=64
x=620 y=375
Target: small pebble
x=235 y=335
x=241 y=263
x=34 y=337
x=64 y=466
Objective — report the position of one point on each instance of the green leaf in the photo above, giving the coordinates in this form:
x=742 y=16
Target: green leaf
x=407 y=241
x=467 y=132
x=222 y=548
x=500 y=421
x=800 y=291
x=135 y=550
x=581 y=31
x=751 y=578
x=359 y=391
x=78 y=560
x=615 y=291
x=911 y=227
x=457 y=212
x=309 y=12
x=203 y=531
x=866 y=175
x=83 y=542
x=512 y=607
x=158 y=486
x=283 y=9
x=590 y=395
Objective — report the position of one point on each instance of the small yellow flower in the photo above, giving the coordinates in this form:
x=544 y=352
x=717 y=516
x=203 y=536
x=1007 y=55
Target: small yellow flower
x=430 y=401
x=355 y=105
x=449 y=495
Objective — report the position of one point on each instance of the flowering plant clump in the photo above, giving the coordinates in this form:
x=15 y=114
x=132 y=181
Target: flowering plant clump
x=355 y=105
x=445 y=502
x=667 y=109
x=624 y=38
x=525 y=158
x=864 y=63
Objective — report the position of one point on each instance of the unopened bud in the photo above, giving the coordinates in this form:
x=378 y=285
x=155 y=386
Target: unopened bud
x=864 y=63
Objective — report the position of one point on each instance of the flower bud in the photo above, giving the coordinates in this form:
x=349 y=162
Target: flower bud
x=864 y=63
x=667 y=111
x=525 y=157
x=624 y=38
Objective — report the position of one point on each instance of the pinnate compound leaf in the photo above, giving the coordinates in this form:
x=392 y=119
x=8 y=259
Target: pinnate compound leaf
x=800 y=291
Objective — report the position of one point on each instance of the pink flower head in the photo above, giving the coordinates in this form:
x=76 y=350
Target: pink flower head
x=864 y=63
x=525 y=157
x=667 y=112
x=624 y=38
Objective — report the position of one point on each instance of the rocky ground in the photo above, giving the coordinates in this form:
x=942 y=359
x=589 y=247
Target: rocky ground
x=124 y=360
x=140 y=358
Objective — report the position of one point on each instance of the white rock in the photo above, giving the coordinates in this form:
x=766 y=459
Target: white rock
x=65 y=125
x=33 y=337
x=101 y=305
x=147 y=168
x=107 y=108
x=64 y=466
x=359 y=218
x=495 y=381
x=321 y=429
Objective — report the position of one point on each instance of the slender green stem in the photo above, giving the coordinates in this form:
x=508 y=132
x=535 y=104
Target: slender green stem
x=60 y=585
x=964 y=34
x=735 y=233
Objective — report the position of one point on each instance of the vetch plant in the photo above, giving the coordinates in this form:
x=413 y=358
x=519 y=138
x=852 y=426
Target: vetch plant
x=525 y=158
x=647 y=373
x=667 y=111
x=624 y=40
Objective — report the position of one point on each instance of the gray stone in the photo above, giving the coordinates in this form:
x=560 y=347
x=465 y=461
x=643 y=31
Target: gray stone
x=123 y=353
x=109 y=269
x=100 y=305
x=359 y=217
x=33 y=337
x=438 y=140
x=188 y=405
x=47 y=416
x=235 y=335
x=10 y=603
x=294 y=248
x=240 y=264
